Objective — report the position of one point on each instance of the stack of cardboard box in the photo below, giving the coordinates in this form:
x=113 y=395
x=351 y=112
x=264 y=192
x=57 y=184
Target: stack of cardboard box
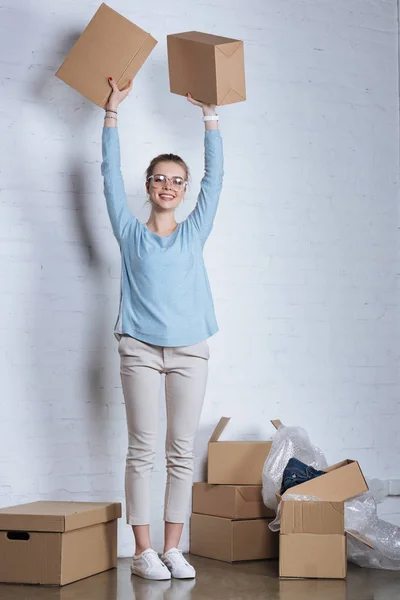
x=229 y=520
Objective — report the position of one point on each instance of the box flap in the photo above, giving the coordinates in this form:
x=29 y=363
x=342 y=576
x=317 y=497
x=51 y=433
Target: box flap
x=230 y=69
x=203 y=38
x=229 y=48
x=360 y=538
x=276 y=423
x=341 y=482
x=231 y=97
x=57 y=516
x=250 y=493
x=223 y=422
x=317 y=517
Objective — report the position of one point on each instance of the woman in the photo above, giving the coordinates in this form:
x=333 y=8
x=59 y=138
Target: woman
x=165 y=316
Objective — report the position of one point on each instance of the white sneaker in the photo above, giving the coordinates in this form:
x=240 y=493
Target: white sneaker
x=178 y=565
x=149 y=566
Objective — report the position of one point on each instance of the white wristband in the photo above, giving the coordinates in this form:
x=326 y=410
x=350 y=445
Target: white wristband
x=211 y=118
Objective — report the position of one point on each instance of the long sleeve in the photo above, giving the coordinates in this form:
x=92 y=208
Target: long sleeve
x=204 y=213
x=114 y=190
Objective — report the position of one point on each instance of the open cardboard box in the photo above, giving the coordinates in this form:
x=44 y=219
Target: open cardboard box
x=235 y=462
x=313 y=540
x=312 y=536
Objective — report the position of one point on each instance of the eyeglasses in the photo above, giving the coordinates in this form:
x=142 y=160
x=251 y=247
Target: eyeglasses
x=177 y=183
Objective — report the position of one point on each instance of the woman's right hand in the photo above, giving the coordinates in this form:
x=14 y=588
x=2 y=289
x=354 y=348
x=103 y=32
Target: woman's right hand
x=117 y=95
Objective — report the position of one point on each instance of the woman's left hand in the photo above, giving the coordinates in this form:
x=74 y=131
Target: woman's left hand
x=208 y=109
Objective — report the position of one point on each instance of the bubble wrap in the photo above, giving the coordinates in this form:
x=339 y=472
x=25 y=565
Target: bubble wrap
x=289 y=442
x=361 y=516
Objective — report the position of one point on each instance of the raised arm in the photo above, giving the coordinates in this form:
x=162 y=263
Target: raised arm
x=204 y=213
x=114 y=189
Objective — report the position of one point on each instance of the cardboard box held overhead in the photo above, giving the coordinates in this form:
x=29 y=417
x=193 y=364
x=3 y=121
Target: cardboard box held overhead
x=111 y=45
x=235 y=462
x=231 y=541
x=209 y=67
x=56 y=543
x=230 y=501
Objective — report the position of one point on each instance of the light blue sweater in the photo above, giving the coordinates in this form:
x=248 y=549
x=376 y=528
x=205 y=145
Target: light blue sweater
x=165 y=293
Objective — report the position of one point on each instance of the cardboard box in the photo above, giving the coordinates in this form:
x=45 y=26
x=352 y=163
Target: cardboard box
x=56 y=543
x=209 y=67
x=231 y=541
x=342 y=481
x=313 y=540
x=311 y=555
x=111 y=45
x=230 y=501
x=312 y=535
x=235 y=463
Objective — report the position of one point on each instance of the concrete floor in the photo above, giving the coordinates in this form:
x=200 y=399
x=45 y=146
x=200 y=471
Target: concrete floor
x=217 y=581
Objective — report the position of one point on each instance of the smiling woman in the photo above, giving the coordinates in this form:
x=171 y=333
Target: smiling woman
x=166 y=184
x=166 y=314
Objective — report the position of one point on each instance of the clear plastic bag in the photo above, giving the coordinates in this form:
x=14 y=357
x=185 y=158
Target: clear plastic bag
x=289 y=442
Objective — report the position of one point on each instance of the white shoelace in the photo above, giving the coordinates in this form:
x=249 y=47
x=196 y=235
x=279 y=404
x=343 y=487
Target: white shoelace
x=152 y=559
x=178 y=556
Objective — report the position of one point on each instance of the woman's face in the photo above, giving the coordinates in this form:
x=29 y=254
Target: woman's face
x=167 y=185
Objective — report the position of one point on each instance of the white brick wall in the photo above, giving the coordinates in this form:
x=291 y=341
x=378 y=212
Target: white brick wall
x=303 y=258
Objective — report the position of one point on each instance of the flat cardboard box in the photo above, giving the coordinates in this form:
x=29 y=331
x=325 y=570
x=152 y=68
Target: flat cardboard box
x=209 y=67
x=342 y=481
x=56 y=543
x=111 y=45
x=235 y=463
x=232 y=541
x=230 y=501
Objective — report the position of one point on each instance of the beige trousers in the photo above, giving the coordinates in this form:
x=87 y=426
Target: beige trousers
x=185 y=371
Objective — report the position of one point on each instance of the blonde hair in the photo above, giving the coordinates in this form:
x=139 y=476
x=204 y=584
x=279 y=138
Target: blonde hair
x=167 y=158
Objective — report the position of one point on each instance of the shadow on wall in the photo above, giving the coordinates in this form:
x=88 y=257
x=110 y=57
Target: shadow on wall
x=80 y=454
x=75 y=445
